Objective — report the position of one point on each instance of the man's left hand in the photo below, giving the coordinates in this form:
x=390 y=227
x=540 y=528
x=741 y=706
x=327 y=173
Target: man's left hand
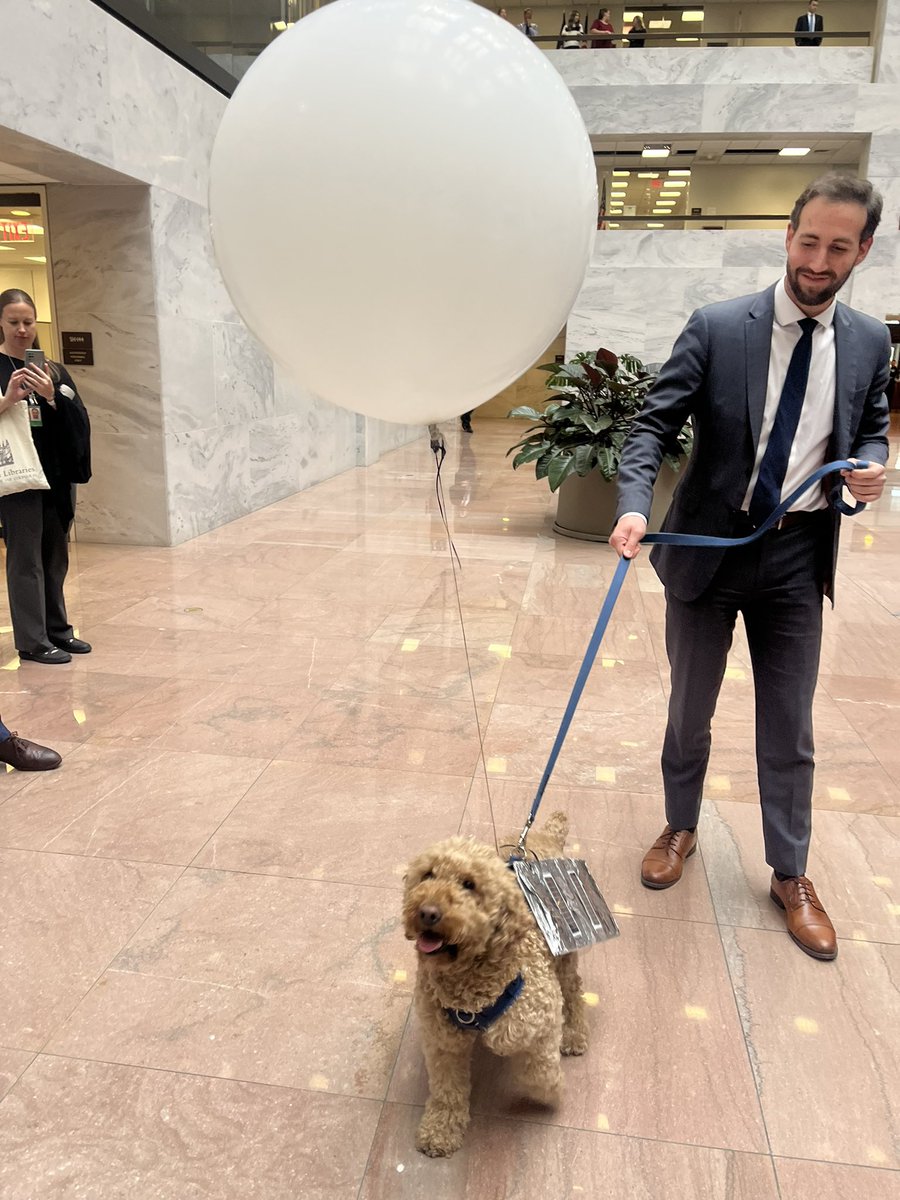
x=866 y=484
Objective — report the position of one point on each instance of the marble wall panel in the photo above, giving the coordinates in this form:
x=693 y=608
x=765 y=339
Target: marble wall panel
x=740 y=65
x=163 y=114
x=274 y=456
x=762 y=249
x=884 y=153
x=125 y=502
x=122 y=388
x=209 y=479
x=188 y=283
x=771 y=108
x=187 y=373
x=102 y=249
x=56 y=89
x=875 y=111
x=244 y=376
x=649 y=112
x=630 y=247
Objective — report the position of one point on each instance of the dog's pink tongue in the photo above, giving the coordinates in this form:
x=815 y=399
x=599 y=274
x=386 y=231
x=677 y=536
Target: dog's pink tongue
x=428 y=943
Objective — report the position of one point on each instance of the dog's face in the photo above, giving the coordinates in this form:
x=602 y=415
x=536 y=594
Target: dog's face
x=461 y=902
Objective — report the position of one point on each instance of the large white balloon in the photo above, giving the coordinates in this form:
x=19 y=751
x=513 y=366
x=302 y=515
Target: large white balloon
x=403 y=202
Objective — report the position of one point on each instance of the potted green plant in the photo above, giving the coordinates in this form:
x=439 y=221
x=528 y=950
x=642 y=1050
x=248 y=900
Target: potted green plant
x=576 y=441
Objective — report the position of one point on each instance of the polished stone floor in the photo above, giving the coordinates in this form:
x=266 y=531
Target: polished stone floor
x=204 y=988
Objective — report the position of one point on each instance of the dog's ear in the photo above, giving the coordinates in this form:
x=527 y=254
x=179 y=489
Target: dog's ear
x=514 y=919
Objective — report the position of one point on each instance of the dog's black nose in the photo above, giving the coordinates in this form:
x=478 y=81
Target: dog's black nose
x=429 y=915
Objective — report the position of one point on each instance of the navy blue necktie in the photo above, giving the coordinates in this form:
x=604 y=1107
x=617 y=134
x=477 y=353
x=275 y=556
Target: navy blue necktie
x=767 y=493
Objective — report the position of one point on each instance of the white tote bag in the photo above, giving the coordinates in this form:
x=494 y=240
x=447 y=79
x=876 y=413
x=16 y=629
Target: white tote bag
x=20 y=467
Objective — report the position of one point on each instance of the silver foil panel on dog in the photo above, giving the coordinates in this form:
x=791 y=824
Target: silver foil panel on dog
x=566 y=903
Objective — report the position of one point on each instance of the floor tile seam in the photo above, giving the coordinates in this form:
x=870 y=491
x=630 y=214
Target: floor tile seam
x=384 y=1101
x=124 y=860
x=231 y=810
x=742 y=1026
x=832 y=1162
x=524 y=1119
x=356 y=885
x=63 y=1021
x=256 y=1083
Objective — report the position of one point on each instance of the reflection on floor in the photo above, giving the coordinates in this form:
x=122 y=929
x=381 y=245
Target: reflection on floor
x=205 y=990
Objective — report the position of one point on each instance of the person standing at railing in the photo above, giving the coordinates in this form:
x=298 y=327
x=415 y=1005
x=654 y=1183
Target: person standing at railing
x=502 y=14
x=810 y=23
x=528 y=26
x=572 y=32
x=635 y=39
x=602 y=25
x=776 y=385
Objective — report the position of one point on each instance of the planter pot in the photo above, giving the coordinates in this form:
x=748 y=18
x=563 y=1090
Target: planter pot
x=586 y=504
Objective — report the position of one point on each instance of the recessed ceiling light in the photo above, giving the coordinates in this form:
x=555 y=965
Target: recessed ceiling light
x=660 y=24
x=675 y=183
x=655 y=225
x=621 y=174
x=793 y=151
x=675 y=171
x=619 y=187
x=611 y=225
x=20 y=212
x=648 y=175
x=692 y=14
x=36 y=230
x=38 y=258
x=665 y=194
x=656 y=150
x=678 y=39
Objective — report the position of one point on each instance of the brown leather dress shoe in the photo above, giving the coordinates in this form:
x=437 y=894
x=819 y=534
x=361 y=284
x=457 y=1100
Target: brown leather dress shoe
x=28 y=756
x=664 y=861
x=807 y=921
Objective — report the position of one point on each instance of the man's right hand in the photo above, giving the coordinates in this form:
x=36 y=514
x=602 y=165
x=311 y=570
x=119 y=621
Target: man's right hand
x=625 y=539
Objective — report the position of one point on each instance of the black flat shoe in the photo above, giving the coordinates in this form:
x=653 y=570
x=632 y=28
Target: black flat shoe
x=46 y=656
x=72 y=645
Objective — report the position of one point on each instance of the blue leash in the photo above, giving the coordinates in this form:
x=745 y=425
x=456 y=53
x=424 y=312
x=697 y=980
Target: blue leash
x=669 y=539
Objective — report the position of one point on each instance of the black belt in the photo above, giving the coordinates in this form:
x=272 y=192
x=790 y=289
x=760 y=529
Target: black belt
x=790 y=520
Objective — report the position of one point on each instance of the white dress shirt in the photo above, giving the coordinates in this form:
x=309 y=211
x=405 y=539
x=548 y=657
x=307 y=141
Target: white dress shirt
x=810 y=443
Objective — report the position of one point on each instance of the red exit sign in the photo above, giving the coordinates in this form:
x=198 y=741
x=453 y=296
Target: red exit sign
x=15 y=231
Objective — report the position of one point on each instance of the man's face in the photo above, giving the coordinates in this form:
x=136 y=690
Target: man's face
x=527 y=16
x=823 y=250
x=813 y=6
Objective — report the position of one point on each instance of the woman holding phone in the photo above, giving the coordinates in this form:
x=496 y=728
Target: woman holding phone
x=36 y=522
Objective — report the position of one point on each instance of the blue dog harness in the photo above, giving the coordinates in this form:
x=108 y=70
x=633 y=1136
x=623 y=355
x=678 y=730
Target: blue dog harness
x=481 y=1021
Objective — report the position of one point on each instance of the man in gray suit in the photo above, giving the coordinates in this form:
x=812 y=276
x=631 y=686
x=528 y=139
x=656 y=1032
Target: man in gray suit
x=776 y=385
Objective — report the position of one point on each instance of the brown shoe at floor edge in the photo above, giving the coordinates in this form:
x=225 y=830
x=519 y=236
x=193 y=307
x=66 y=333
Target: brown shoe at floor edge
x=807 y=921
x=28 y=756
x=664 y=861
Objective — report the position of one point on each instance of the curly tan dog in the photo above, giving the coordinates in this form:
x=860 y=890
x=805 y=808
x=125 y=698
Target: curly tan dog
x=480 y=952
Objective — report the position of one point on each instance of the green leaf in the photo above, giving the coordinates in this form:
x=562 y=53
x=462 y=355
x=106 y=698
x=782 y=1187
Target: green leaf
x=561 y=465
x=529 y=455
x=542 y=466
x=530 y=414
x=583 y=459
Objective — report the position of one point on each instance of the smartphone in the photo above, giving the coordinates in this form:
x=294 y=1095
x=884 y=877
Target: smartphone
x=36 y=358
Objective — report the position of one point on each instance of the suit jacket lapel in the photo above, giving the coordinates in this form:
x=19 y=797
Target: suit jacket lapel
x=846 y=363
x=758 y=343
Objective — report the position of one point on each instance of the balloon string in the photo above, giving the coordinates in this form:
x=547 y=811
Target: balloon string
x=439 y=450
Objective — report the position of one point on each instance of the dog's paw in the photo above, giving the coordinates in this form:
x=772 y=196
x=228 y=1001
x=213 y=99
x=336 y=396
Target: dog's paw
x=439 y=1135
x=574 y=1042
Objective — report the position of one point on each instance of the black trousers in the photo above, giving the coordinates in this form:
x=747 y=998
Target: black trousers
x=37 y=560
x=776 y=585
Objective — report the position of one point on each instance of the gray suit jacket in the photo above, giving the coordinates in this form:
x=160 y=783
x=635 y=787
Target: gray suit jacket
x=717 y=376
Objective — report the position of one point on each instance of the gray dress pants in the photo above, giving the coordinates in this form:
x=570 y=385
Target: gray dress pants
x=776 y=585
x=37 y=559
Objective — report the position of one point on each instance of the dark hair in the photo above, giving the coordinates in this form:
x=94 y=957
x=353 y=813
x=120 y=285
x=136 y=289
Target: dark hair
x=843 y=189
x=17 y=296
